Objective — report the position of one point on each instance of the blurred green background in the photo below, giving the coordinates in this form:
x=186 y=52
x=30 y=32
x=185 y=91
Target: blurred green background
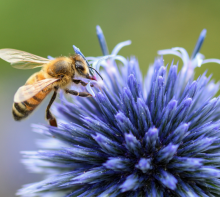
x=44 y=27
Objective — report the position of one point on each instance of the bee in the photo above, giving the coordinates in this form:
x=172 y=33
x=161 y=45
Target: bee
x=55 y=74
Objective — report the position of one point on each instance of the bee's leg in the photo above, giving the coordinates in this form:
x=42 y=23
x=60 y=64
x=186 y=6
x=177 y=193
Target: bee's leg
x=76 y=81
x=82 y=82
x=49 y=116
x=80 y=94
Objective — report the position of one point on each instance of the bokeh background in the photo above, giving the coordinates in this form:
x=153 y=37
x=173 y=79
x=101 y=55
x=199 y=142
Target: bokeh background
x=46 y=27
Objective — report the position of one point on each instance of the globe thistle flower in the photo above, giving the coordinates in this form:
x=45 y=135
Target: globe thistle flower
x=153 y=137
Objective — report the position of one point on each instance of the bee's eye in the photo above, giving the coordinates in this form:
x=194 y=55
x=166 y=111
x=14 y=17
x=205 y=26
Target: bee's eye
x=79 y=66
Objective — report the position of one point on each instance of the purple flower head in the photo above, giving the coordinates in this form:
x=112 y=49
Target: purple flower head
x=153 y=137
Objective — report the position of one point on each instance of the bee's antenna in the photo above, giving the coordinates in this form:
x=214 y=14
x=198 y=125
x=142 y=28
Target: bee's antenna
x=96 y=72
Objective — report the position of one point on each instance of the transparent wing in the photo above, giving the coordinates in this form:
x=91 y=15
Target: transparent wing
x=21 y=59
x=27 y=91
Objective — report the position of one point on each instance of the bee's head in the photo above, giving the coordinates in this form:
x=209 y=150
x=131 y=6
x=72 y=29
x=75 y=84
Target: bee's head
x=82 y=66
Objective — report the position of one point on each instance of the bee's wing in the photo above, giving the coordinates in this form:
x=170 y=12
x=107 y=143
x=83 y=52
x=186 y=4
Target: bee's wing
x=27 y=91
x=21 y=59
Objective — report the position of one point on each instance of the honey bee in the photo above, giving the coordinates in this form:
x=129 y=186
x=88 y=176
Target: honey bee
x=55 y=74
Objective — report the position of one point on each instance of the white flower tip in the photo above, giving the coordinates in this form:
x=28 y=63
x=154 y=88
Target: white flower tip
x=199 y=63
x=89 y=89
x=211 y=60
x=98 y=29
x=128 y=42
x=163 y=52
x=177 y=48
x=76 y=49
x=119 y=46
x=203 y=33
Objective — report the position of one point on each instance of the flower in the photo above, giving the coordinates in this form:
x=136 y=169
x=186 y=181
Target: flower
x=153 y=137
x=196 y=60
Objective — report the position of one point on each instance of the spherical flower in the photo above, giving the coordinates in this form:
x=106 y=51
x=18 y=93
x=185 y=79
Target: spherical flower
x=153 y=137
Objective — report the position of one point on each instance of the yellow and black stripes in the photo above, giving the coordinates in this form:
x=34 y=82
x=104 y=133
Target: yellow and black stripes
x=26 y=103
x=23 y=109
x=20 y=111
x=37 y=99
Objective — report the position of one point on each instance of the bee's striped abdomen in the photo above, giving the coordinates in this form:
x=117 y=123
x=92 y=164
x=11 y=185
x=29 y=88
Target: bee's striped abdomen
x=23 y=109
x=20 y=111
